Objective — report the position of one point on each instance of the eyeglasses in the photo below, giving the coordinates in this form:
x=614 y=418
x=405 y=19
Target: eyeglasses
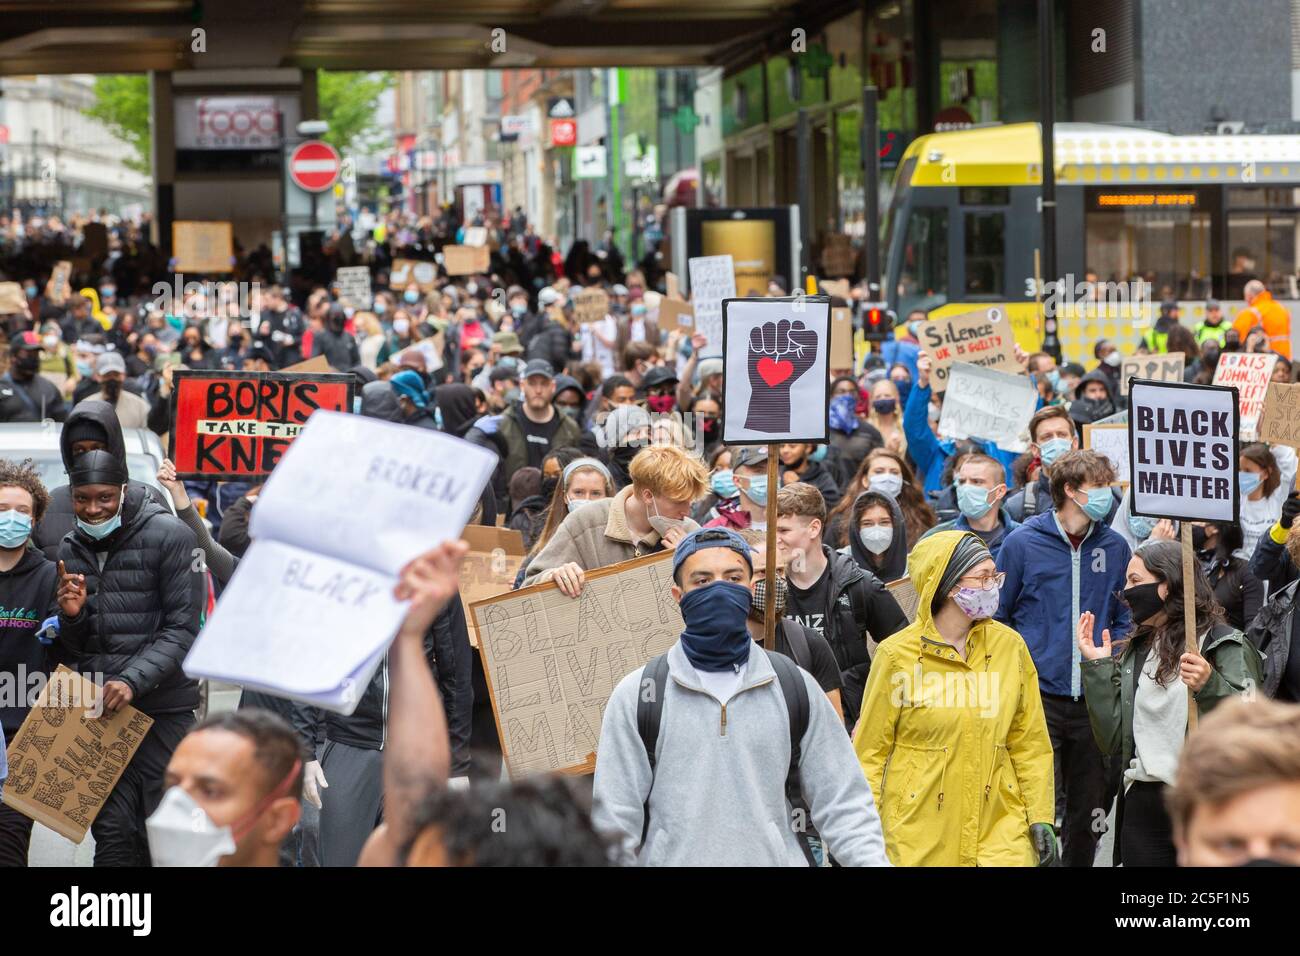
x=986 y=583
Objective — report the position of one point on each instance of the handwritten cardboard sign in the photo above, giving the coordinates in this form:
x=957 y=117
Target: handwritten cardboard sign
x=984 y=338
x=12 y=300
x=1111 y=441
x=591 y=305
x=842 y=288
x=491 y=565
x=354 y=286
x=476 y=236
x=465 y=260
x=68 y=755
x=1167 y=367
x=1249 y=373
x=552 y=661
x=405 y=271
x=202 y=246
x=1279 y=423
x=841 y=339
x=988 y=405
x=713 y=278
x=317 y=363
x=233 y=425
x=675 y=314
x=839 y=258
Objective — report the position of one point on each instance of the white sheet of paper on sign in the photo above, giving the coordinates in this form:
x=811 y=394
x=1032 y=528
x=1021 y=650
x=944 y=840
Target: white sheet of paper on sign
x=713 y=278
x=309 y=613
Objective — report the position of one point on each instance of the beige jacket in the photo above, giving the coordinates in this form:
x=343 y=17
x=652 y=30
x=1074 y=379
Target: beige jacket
x=594 y=536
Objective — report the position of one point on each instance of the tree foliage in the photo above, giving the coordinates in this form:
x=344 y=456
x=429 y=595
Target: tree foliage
x=349 y=102
x=122 y=104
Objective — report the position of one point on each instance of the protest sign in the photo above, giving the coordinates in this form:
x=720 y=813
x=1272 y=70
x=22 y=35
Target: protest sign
x=405 y=271
x=1165 y=367
x=491 y=565
x=1249 y=373
x=310 y=610
x=841 y=339
x=465 y=260
x=837 y=287
x=1183 y=451
x=591 y=305
x=675 y=314
x=839 y=258
x=1111 y=441
x=775 y=379
x=476 y=236
x=236 y=425
x=60 y=284
x=713 y=278
x=202 y=246
x=12 y=300
x=69 y=754
x=982 y=338
x=989 y=405
x=431 y=348
x=552 y=661
x=905 y=594
x=1279 y=423
x=354 y=286
x=672 y=286
x=317 y=364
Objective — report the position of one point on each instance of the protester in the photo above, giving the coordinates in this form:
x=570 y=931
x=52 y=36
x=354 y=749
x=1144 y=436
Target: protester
x=798 y=463
x=1237 y=591
x=949 y=798
x=25 y=394
x=886 y=415
x=851 y=438
x=1094 y=399
x=1051 y=435
x=877 y=536
x=582 y=481
x=627 y=431
x=890 y=474
x=1060 y=564
x=533 y=427
x=1147 y=729
x=747 y=508
x=1265 y=478
x=1135 y=529
x=110 y=372
x=675 y=791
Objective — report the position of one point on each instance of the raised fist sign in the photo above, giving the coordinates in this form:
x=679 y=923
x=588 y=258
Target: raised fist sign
x=779 y=353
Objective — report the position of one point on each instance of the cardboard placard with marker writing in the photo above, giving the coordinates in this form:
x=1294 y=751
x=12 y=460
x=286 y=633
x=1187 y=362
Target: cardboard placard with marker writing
x=591 y=305
x=984 y=338
x=1164 y=367
x=1279 y=422
x=490 y=567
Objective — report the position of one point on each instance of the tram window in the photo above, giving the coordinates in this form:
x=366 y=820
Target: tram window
x=1262 y=239
x=985 y=196
x=1169 y=248
x=924 y=273
x=985 y=252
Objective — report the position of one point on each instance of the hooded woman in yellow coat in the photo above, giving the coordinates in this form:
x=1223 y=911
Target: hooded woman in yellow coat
x=951 y=736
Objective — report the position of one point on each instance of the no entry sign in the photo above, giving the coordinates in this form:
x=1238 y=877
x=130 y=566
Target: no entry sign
x=314 y=166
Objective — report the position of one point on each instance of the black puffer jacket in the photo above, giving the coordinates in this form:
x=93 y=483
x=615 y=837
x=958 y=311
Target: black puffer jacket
x=552 y=342
x=142 y=609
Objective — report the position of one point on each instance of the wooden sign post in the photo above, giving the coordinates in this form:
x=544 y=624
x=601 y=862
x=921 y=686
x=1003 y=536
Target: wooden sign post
x=769 y=554
x=1189 y=612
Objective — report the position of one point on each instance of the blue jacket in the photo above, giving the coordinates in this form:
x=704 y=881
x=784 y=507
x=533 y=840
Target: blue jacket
x=929 y=453
x=1049 y=585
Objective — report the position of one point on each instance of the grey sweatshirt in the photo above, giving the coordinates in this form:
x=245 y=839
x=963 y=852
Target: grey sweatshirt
x=719 y=787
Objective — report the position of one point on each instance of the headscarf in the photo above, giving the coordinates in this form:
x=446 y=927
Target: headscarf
x=969 y=552
x=408 y=383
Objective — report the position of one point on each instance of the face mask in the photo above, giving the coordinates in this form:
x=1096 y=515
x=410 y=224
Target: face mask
x=1144 y=601
x=102 y=530
x=757 y=490
x=932 y=413
x=15 y=528
x=1141 y=527
x=472 y=288
x=843 y=414
x=1051 y=450
x=973 y=501
x=380 y=308
x=570 y=410
x=107 y=292
x=876 y=539
x=663 y=525
x=1249 y=482
x=759 y=608
x=576 y=503
x=638 y=311
x=820 y=453
x=29 y=291
x=182 y=834
x=50 y=342
x=1054 y=379
x=411 y=297
x=1098 y=504
x=913 y=329
x=886 y=484
x=661 y=403
x=715 y=638
x=548 y=486
x=27 y=361
x=1113 y=359
x=884 y=406
x=519 y=311
x=723 y=485
x=84 y=369
x=976 y=603
x=710 y=428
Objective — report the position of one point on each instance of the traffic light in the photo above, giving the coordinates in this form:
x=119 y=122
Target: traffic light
x=877 y=321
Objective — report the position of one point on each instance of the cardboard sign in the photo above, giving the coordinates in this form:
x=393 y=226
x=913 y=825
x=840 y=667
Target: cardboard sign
x=841 y=288
x=237 y=425
x=839 y=258
x=406 y=271
x=1279 y=423
x=775 y=370
x=1249 y=374
x=552 y=661
x=69 y=754
x=202 y=246
x=713 y=279
x=673 y=286
x=841 y=339
x=60 y=285
x=490 y=567
x=984 y=338
x=1111 y=441
x=1169 y=367
x=675 y=314
x=591 y=305
x=318 y=363
x=905 y=594
x=1183 y=451
x=988 y=405
x=354 y=286
x=465 y=260
x=12 y=299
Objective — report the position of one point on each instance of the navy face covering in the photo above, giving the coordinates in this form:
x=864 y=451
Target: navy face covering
x=716 y=638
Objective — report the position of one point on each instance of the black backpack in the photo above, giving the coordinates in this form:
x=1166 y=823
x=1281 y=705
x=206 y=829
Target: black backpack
x=649 y=713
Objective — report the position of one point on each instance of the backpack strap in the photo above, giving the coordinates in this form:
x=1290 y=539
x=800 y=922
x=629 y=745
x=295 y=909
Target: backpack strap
x=795 y=692
x=1031 y=500
x=798 y=641
x=649 y=712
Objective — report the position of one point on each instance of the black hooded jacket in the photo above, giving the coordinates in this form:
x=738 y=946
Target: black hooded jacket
x=59 y=517
x=26 y=599
x=893 y=563
x=1085 y=411
x=142 y=605
x=459 y=410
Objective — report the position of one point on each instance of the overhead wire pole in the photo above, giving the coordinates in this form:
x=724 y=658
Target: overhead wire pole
x=1047 y=201
x=871 y=189
x=803 y=146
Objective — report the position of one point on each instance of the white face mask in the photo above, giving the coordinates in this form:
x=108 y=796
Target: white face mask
x=661 y=524
x=1113 y=359
x=886 y=484
x=576 y=503
x=876 y=539
x=182 y=834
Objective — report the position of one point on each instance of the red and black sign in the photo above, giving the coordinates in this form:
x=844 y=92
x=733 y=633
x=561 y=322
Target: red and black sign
x=236 y=425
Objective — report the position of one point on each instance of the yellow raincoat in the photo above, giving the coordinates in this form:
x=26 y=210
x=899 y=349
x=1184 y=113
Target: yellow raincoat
x=956 y=751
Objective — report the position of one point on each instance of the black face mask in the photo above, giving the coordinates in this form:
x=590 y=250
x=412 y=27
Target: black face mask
x=548 y=486
x=622 y=455
x=1144 y=601
x=112 y=390
x=27 y=362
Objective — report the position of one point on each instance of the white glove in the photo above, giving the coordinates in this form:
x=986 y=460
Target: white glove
x=313 y=782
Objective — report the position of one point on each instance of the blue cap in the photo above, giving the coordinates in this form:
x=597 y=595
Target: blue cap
x=703 y=538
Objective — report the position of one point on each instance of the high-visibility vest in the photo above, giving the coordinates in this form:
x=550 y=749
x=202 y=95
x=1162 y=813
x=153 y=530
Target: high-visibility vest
x=1205 y=332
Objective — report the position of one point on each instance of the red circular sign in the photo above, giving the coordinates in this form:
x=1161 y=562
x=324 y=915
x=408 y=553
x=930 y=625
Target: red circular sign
x=564 y=132
x=314 y=166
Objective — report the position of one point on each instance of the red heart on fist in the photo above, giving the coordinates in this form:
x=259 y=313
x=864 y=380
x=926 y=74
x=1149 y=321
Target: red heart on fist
x=774 y=373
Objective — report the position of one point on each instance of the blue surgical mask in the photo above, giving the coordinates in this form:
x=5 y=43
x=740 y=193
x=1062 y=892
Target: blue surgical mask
x=1049 y=451
x=380 y=308
x=715 y=637
x=15 y=528
x=757 y=490
x=102 y=530
x=819 y=453
x=84 y=369
x=411 y=297
x=1249 y=482
x=29 y=291
x=518 y=311
x=1140 y=527
x=723 y=484
x=1054 y=379
x=1098 y=503
x=973 y=501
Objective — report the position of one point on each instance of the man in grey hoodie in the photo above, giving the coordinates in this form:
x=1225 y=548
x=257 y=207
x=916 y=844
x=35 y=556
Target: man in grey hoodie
x=716 y=794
